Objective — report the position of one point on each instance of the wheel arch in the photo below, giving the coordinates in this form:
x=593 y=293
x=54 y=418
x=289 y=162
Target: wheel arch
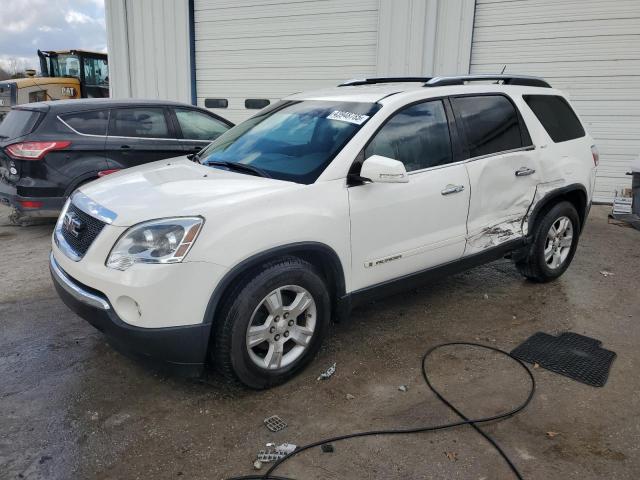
x=318 y=254
x=576 y=194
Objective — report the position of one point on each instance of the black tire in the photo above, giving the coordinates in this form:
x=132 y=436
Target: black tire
x=230 y=353
x=534 y=265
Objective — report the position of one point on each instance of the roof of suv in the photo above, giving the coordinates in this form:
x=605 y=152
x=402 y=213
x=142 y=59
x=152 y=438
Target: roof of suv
x=58 y=106
x=370 y=90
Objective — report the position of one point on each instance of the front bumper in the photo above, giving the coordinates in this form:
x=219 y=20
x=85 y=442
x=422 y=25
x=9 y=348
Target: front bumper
x=181 y=350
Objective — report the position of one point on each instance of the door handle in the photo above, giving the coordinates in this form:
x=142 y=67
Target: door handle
x=524 y=171
x=449 y=189
x=125 y=147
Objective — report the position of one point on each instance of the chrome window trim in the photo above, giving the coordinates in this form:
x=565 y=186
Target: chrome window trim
x=90 y=207
x=74 y=289
x=120 y=136
x=473 y=159
x=503 y=152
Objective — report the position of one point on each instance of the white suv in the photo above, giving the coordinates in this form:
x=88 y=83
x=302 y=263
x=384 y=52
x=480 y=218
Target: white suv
x=243 y=255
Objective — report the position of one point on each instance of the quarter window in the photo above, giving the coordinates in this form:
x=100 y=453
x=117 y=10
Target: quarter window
x=490 y=124
x=556 y=116
x=139 y=122
x=199 y=126
x=89 y=123
x=418 y=136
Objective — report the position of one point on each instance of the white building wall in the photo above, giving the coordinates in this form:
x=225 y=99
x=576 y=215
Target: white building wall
x=148 y=44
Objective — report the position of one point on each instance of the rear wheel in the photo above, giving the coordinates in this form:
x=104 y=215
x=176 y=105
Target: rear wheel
x=272 y=324
x=555 y=239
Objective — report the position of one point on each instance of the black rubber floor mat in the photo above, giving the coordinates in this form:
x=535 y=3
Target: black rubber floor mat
x=569 y=354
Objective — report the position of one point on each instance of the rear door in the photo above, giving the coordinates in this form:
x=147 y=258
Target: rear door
x=139 y=135
x=85 y=158
x=197 y=128
x=502 y=165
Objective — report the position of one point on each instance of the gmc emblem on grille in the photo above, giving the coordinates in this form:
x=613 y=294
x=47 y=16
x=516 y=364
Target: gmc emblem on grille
x=72 y=224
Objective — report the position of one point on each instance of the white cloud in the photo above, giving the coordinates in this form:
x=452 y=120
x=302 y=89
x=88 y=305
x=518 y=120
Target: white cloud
x=28 y=25
x=77 y=17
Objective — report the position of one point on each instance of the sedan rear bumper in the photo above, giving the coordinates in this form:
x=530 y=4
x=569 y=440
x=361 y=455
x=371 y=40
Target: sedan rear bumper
x=30 y=206
x=181 y=350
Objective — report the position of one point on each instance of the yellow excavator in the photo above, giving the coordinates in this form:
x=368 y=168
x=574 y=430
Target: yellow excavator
x=64 y=74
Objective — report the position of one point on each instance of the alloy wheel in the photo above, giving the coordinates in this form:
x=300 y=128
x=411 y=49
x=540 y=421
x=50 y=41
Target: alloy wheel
x=281 y=327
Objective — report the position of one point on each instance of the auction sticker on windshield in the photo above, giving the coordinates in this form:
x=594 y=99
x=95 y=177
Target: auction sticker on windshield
x=349 y=117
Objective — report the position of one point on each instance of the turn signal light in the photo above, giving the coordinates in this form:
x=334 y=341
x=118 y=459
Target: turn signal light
x=34 y=150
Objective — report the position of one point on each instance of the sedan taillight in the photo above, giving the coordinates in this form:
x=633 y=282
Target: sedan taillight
x=34 y=150
x=596 y=155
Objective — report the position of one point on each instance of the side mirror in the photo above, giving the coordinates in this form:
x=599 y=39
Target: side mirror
x=381 y=169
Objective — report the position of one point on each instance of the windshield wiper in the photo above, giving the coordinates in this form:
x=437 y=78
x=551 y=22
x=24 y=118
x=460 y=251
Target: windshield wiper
x=241 y=167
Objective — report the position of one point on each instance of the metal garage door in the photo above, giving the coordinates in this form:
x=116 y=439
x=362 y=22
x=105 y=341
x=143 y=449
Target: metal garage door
x=590 y=49
x=270 y=49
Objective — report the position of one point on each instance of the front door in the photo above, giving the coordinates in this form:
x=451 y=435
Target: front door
x=139 y=135
x=503 y=169
x=402 y=228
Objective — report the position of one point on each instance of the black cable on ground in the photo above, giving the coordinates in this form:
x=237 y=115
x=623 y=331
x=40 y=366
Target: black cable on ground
x=403 y=431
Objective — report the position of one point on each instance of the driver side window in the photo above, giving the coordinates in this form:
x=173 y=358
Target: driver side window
x=418 y=136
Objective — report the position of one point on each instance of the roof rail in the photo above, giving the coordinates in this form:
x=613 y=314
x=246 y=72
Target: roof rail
x=522 y=80
x=374 y=80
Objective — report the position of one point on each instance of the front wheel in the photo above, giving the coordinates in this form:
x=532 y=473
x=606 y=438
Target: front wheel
x=272 y=324
x=555 y=239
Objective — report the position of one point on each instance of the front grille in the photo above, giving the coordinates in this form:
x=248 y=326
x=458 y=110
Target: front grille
x=90 y=229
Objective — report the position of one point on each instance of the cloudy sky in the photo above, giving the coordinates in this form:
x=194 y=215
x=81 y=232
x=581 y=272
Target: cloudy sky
x=28 y=25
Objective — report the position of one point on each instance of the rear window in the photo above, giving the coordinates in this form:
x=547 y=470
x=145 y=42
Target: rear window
x=89 y=123
x=18 y=123
x=490 y=123
x=556 y=116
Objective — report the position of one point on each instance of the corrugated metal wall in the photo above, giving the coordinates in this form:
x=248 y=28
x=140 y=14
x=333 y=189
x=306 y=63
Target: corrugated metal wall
x=590 y=49
x=148 y=43
x=257 y=49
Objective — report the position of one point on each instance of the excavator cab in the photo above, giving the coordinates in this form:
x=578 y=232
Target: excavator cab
x=90 y=68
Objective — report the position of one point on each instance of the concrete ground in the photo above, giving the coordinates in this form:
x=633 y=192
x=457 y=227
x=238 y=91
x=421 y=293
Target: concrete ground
x=71 y=407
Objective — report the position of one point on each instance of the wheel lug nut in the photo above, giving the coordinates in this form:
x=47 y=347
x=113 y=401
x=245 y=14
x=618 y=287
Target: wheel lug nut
x=277 y=319
x=276 y=338
x=291 y=323
x=272 y=329
x=286 y=315
x=286 y=334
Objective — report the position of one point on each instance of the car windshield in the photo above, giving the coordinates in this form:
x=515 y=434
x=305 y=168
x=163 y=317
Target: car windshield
x=291 y=140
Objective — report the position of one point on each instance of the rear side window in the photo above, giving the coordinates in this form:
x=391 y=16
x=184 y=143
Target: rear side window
x=89 y=123
x=418 y=136
x=18 y=123
x=556 y=116
x=490 y=123
x=199 y=126
x=142 y=122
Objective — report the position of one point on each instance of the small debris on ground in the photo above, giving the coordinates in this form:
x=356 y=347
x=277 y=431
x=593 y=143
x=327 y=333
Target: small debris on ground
x=350 y=397
x=552 y=434
x=279 y=452
x=486 y=296
x=327 y=448
x=403 y=388
x=536 y=365
x=275 y=423
x=257 y=465
x=605 y=274
x=452 y=456
x=328 y=372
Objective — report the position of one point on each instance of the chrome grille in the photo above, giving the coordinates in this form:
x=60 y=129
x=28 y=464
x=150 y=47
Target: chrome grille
x=88 y=228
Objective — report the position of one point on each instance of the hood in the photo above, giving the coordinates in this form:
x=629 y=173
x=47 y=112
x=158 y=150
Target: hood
x=175 y=187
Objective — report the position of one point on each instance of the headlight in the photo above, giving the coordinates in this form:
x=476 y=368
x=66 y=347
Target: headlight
x=167 y=240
